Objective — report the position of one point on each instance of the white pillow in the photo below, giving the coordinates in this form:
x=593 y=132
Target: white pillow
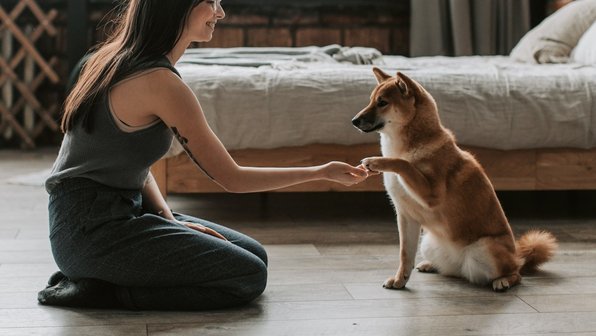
x=585 y=51
x=554 y=38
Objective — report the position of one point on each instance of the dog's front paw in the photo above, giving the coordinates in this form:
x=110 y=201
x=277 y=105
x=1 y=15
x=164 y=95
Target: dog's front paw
x=395 y=283
x=372 y=164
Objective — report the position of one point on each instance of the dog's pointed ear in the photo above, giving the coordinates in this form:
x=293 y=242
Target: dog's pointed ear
x=401 y=85
x=405 y=84
x=380 y=75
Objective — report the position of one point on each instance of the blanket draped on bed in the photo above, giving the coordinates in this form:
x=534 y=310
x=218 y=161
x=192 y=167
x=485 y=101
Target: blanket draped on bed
x=280 y=97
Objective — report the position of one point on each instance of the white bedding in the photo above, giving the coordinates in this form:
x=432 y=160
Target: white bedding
x=267 y=98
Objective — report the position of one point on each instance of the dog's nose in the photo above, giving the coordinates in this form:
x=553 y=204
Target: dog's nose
x=367 y=123
x=364 y=122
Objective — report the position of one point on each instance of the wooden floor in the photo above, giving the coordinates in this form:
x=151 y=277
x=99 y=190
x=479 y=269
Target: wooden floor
x=329 y=255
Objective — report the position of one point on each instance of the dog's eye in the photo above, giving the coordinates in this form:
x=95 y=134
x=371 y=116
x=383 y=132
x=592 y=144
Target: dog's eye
x=381 y=103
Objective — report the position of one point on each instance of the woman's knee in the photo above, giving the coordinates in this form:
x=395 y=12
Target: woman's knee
x=258 y=250
x=261 y=281
x=252 y=285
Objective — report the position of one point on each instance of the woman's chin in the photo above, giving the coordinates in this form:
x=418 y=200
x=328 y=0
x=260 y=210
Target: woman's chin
x=205 y=38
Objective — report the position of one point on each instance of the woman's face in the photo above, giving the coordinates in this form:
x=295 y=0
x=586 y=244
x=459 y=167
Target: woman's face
x=202 y=20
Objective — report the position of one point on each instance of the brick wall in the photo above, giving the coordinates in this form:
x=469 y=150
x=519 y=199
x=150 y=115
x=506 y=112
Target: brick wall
x=384 y=27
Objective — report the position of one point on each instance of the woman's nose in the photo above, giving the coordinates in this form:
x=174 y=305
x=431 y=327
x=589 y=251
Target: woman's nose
x=220 y=13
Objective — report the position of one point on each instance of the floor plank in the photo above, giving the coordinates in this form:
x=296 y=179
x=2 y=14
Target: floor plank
x=499 y=324
x=104 y=330
x=558 y=303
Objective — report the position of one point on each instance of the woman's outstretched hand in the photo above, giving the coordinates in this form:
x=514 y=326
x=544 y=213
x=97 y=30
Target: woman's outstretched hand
x=344 y=173
x=203 y=229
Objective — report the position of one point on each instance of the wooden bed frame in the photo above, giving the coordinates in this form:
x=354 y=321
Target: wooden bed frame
x=528 y=169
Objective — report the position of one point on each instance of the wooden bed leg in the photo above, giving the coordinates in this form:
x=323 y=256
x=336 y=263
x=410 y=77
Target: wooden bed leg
x=159 y=171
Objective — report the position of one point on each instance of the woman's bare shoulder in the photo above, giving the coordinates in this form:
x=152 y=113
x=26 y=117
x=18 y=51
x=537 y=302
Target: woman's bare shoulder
x=150 y=93
x=163 y=84
x=153 y=86
x=152 y=81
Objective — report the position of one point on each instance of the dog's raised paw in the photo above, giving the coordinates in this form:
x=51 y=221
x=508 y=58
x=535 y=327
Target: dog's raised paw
x=371 y=164
x=501 y=284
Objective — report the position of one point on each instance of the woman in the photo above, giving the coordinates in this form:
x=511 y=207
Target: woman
x=113 y=236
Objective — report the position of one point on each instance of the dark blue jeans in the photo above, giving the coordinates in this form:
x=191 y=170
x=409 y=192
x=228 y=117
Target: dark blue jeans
x=102 y=233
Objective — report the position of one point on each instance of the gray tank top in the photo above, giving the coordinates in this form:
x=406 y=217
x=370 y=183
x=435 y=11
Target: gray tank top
x=109 y=155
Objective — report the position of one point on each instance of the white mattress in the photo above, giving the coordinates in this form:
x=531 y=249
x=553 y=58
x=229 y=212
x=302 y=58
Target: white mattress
x=267 y=98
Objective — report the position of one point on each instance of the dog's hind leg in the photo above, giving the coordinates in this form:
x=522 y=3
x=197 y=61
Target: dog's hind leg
x=409 y=233
x=504 y=283
x=492 y=260
x=426 y=266
x=506 y=262
x=439 y=256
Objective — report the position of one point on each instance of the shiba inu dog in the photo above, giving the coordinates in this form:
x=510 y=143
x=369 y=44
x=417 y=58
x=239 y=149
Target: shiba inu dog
x=436 y=186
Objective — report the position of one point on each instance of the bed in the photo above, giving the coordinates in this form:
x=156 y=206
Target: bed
x=530 y=125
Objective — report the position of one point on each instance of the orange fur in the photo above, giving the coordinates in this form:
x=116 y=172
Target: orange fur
x=535 y=247
x=436 y=186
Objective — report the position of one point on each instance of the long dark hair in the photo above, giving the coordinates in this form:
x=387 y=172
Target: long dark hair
x=144 y=30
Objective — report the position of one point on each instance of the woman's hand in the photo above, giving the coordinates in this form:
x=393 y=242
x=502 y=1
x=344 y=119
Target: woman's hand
x=344 y=173
x=203 y=229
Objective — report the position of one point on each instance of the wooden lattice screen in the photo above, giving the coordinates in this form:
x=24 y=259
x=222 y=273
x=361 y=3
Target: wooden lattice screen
x=23 y=70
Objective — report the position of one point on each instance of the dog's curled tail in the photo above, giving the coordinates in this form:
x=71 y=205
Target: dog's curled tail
x=535 y=247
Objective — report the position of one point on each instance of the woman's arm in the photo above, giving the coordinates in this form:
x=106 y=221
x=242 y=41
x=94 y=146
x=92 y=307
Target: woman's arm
x=255 y=179
x=153 y=201
x=175 y=104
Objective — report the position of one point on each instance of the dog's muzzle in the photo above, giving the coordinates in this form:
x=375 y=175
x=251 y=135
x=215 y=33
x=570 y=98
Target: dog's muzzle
x=367 y=123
